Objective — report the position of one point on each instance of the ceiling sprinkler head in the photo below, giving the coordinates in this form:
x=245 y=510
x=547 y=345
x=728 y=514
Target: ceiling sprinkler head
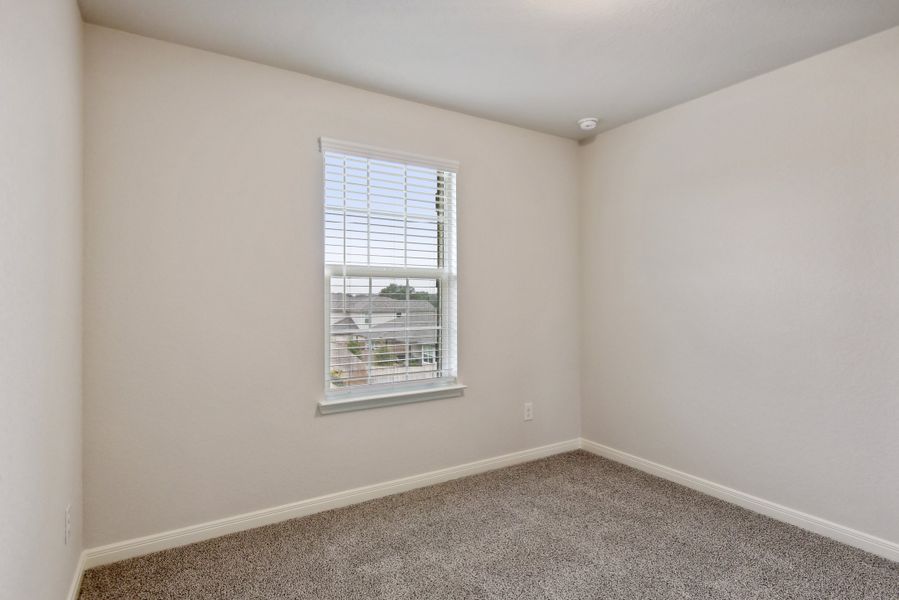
x=587 y=123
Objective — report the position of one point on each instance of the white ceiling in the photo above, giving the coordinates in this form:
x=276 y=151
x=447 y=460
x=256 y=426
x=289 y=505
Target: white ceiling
x=540 y=64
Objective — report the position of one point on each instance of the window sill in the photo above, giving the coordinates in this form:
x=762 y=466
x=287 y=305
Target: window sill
x=339 y=405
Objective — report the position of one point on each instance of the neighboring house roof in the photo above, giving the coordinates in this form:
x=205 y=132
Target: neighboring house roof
x=420 y=316
x=423 y=328
x=349 y=303
x=345 y=325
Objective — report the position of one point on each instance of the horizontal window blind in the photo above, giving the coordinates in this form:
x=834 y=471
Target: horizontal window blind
x=390 y=269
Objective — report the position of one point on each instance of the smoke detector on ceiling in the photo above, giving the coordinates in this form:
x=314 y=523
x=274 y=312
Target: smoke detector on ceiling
x=588 y=123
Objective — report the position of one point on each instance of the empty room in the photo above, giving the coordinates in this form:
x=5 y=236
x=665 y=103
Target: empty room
x=449 y=300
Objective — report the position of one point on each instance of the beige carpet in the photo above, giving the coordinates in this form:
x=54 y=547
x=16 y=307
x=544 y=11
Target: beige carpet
x=570 y=526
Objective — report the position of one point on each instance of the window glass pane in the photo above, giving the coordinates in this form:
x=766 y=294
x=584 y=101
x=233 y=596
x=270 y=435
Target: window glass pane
x=383 y=330
x=379 y=213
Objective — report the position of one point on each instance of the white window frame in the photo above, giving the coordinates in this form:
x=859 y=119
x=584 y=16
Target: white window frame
x=373 y=396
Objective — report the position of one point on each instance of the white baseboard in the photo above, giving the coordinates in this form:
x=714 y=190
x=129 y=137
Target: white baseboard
x=94 y=557
x=840 y=533
x=75 y=588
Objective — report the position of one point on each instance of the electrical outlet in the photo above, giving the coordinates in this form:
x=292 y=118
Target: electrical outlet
x=68 y=523
x=528 y=411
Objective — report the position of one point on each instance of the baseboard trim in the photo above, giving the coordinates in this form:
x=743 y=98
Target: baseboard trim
x=835 y=531
x=110 y=553
x=75 y=588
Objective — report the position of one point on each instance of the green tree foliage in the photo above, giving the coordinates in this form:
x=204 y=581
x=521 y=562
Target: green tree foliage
x=398 y=292
x=384 y=356
x=355 y=346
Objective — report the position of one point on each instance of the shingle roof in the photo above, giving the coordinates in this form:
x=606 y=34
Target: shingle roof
x=422 y=328
x=350 y=303
x=344 y=325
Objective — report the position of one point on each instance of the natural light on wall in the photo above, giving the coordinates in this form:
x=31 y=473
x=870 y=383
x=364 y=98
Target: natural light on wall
x=390 y=276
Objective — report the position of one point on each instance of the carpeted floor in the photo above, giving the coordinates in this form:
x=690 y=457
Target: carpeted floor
x=570 y=526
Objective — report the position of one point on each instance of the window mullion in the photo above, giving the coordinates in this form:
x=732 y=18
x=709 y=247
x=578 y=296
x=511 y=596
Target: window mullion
x=344 y=193
x=395 y=272
x=405 y=220
x=407 y=342
x=368 y=215
x=441 y=289
x=370 y=342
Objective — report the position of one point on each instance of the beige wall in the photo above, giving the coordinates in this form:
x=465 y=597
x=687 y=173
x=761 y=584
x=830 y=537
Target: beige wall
x=738 y=273
x=741 y=286
x=40 y=296
x=204 y=300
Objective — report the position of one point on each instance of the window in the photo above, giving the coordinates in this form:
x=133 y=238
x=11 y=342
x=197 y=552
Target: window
x=390 y=277
x=428 y=354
